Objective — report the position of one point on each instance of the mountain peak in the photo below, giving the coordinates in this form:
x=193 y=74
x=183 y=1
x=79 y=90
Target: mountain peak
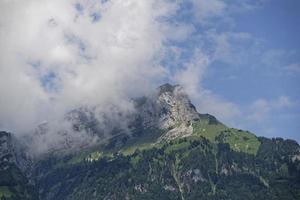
x=174 y=99
x=169 y=109
x=167 y=87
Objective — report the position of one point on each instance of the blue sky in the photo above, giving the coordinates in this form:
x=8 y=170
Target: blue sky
x=276 y=24
x=258 y=69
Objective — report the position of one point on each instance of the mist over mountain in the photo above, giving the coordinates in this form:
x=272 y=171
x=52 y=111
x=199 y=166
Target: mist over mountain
x=165 y=108
x=163 y=149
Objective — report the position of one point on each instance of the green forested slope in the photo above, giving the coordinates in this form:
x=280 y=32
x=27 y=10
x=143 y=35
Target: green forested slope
x=188 y=168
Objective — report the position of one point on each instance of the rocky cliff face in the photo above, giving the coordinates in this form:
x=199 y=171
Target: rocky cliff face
x=170 y=109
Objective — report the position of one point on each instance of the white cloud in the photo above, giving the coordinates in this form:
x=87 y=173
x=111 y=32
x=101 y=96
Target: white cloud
x=55 y=57
x=191 y=78
x=231 y=47
x=261 y=109
x=206 y=9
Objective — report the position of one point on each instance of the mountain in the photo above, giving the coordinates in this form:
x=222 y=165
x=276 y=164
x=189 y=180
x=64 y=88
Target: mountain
x=164 y=149
x=14 y=165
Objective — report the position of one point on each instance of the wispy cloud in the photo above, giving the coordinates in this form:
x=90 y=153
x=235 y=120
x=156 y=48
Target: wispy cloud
x=262 y=108
x=191 y=78
x=208 y=9
x=293 y=68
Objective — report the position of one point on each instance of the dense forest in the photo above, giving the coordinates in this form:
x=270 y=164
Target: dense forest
x=186 y=168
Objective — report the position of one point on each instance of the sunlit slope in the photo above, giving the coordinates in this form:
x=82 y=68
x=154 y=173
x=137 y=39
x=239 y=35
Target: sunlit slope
x=239 y=140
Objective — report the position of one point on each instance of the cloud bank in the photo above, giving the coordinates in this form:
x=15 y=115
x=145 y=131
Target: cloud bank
x=59 y=55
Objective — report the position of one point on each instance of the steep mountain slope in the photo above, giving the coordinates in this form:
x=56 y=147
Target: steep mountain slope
x=166 y=150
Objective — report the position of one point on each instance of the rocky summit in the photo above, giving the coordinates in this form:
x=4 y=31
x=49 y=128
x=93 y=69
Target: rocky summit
x=163 y=149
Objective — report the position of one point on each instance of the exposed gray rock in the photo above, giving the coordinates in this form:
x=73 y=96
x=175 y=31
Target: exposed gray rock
x=169 y=187
x=169 y=109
